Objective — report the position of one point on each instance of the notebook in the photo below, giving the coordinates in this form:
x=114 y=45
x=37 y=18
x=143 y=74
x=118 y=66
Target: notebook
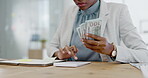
x=30 y=62
x=70 y=64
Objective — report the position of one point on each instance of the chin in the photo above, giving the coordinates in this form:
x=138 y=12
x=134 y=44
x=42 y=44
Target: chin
x=83 y=8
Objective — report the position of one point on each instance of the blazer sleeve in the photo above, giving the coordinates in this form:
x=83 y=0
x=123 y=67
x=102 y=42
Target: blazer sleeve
x=136 y=49
x=54 y=44
x=58 y=39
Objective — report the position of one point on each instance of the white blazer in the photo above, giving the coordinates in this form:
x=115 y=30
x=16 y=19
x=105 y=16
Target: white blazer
x=117 y=27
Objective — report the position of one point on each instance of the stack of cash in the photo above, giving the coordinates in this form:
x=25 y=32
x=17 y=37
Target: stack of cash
x=90 y=26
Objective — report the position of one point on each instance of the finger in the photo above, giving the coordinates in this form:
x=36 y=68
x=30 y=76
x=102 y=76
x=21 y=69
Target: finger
x=75 y=57
x=61 y=50
x=95 y=37
x=71 y=50
x=93 y=47
x=75 y=49
x=73 y=53
x=67 y=49
x=94 y=43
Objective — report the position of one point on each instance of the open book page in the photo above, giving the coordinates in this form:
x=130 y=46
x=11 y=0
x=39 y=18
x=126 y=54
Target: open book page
x=31 y=62
x=1 y=59
x=143 y=67
x=9 y=62
x=35 y=62
x=70 y=64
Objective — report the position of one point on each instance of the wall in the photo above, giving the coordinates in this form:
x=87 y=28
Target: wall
x=19 y=20
x=139 y=14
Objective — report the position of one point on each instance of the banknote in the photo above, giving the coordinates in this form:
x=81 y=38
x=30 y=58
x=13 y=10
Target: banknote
x=90 y=26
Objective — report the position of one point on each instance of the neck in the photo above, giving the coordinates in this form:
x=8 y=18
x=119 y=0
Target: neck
x=93 y=3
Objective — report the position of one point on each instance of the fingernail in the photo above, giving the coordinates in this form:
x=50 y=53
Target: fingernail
x=69 y=53
x=75 y=57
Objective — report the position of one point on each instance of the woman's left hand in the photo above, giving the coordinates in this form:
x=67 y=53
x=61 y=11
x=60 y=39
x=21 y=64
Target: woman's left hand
x=99 y=44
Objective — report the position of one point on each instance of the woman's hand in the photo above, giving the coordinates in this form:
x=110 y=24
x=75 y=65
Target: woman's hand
x=67 y=52
x=99 y=44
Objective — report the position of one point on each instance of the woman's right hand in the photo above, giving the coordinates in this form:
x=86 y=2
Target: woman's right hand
x=67 y=52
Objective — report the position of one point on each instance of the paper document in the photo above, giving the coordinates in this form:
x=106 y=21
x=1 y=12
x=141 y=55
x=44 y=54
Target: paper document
x=70 y=64
x=143 y=67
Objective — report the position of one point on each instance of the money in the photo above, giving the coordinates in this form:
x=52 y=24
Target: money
x=90 y=26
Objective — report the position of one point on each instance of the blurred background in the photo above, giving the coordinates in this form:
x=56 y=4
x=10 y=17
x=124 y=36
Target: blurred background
x=27 y=26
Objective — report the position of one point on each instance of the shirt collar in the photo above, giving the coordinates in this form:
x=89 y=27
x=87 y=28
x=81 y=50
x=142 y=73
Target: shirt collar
x=94 y=8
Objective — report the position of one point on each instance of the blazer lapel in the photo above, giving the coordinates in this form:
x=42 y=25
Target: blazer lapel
x=71 y=23
x=104 y=14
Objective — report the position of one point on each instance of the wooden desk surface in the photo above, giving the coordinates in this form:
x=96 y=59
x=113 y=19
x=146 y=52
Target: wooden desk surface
x=93 y=70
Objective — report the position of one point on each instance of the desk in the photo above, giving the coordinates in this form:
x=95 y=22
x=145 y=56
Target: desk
x=93 y=70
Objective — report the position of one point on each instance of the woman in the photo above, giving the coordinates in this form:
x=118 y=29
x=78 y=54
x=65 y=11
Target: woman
x=116 y=28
